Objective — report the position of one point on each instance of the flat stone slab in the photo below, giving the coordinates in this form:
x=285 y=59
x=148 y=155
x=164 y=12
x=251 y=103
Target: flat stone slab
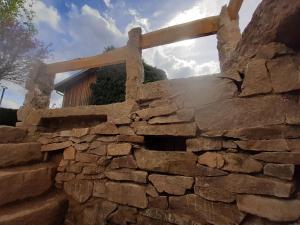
x=277 y=210
x=45 y=210
x=25 y=182
x=19 y=154
x=11 y=134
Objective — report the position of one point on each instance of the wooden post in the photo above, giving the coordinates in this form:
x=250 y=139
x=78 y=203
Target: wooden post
x=134 y=64
x=228 y=36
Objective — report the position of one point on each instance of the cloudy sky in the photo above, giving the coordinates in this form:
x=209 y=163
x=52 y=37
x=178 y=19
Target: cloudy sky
x=83 y=28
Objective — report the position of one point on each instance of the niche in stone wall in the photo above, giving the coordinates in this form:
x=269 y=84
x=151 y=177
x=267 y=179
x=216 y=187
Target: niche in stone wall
x=165 y=143
x=289 y=31
x=69 y=122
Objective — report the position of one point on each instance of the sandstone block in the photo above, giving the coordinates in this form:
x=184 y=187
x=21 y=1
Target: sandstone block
x=86 y=158
x=126 y=130
x=11 y=134
x=106 y=128
x=99 y=188
x=124 y=215
x=175 y=185
x=130 y=138
x=148 y=113
x=211 y=212
x=80 y=132
x=56 y=146
x=127 y=194
x=151 y=191
x=256 y=79
x=276 y=145
x=63 y=177
x=282 y=171
x=246 y=184
x=142 y=220
x=184 y=129
x=215 y=194
x=178 y=163
x=277 y=210
x=127 y=175
x=69 y=153
x=288 y=66
x=81 y=147
x=100 y=151
x=248 y=112
x=18 y=154
x=211 y=159
x=177 y=118
x=203 y=144
x=25 y=182
x=80 y=190
x=119 y=149
x=279 y=157
x=160 y=202
x=47 y=210
x=123 y=162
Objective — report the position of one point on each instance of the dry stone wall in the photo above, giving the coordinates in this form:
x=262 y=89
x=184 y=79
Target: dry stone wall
x=239 y=163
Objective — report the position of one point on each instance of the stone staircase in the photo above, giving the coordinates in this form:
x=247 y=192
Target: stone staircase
x=27 y=196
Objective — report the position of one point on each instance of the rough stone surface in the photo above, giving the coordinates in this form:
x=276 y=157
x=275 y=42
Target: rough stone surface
x=86 y=157
x=282 y=171
x=119 y=149
x=285 y=74
x=69 y=153
x=48 y=210
x=130 y=138
x=25 y=182
x=56 y=146
x=245 y=184
x=211 y=159
x=19 y=154
x=215 y=194
x=250 y=112
x=80 y=190
x=180 y=163
x=11 y=134
x=212 y=212
x=279 y=157
x=256 y=79
x=276 y=145
x=160 y=202
x=273 y=209
x=203 y=144
x=106 y=128
x=127 y=194
x=127 y=175
x=174 y=185
x=123 y=162
x=148 y=113
x=185 y=129
x=124 y=215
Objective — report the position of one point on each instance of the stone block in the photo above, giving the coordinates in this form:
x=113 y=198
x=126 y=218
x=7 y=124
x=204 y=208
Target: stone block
x=203 y=144
x=277 y=210
x=279 y=157
x=123 y=162
x=274 y=145
x=174 y=185
x=69 y=153
x=282 y=171
x=216 y=194
x=106 y=128
x=56 y=146
x=119 y=149
x=184 y=129
x=127 y=175
x=80 y=190
x=130 y=138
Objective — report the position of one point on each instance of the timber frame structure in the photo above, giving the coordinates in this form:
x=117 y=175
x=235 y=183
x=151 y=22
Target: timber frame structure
x=41 y=80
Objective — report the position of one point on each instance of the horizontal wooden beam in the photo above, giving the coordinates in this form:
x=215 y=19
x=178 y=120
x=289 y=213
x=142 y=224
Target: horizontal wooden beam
x=115 y=56
x=233 y=8
x=194 y=29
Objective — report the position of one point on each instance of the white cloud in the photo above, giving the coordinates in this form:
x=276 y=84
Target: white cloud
x=137 y=21
x=48 y=15
x=107 y=3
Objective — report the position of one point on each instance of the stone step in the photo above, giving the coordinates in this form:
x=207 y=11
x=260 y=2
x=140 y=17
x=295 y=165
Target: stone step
x=48 y=209
x=12 y=134
x=19 y=154
x=24 y=182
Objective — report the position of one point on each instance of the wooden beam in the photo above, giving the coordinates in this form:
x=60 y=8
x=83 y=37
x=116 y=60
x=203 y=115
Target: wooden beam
x=234 y=7
x=194 y=29
x=115 y=56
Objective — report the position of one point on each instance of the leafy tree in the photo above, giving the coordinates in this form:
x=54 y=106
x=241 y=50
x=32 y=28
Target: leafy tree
x=110 y=84
x=18 y=47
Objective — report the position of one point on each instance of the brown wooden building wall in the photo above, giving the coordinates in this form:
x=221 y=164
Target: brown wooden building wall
x=79 y=93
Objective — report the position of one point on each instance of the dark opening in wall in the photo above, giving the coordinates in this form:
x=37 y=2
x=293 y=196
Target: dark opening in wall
x=165 y=143
x=63 y=123
x=289 y=31
x=297 y=178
